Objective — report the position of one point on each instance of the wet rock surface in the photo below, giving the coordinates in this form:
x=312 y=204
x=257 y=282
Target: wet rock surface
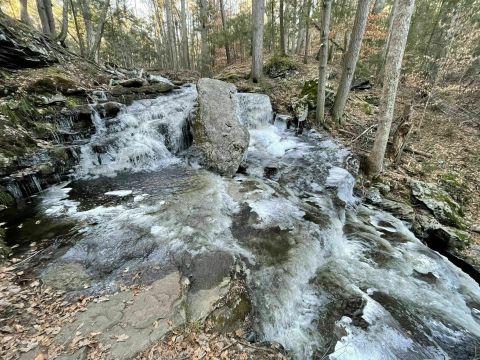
x=217 y=132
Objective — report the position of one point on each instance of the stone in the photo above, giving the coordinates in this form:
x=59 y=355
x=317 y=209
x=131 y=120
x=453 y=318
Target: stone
x=398 y=209
x=427 y=228
x=217 y=132
x=71 y=276
x=136 y=82
x=446 y=210
x=50 y=100
x=110 y=109
x=144 y=318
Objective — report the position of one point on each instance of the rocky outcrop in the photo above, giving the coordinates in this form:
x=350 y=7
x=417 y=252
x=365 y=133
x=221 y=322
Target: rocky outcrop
x=217 y=133
x=446 y=210
x=399 y=209
x=23 y=47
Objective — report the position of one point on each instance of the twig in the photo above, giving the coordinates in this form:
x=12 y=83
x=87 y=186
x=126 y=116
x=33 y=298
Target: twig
x=363 y=133
x=256 y=347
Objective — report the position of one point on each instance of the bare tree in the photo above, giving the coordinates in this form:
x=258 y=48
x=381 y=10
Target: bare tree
x=258 y=11
x=381 y=66
x=400 y=28
x=378 y=6
x=24 y=16
x=224 y=28
x=64 y=30
x=185 y=51
x=94 y=37
x=282 y=30
x=351 y=58
x=45 y=12
x=171 y=50
x=307 y=31
x=322 y=72
x=204 y=53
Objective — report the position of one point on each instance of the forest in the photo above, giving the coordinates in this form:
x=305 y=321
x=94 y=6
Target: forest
x=239 y=179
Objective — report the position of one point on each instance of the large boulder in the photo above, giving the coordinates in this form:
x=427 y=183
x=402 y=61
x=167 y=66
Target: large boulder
x=446 y=210
x=218 y=135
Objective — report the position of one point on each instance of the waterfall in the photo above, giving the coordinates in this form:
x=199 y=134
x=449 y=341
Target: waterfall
x=328 y=275
x=145 y=136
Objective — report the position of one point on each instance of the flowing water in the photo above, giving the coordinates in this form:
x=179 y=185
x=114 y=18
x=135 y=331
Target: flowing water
x=328 y=275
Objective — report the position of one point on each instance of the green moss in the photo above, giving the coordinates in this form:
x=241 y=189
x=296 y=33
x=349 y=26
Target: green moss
x=44 y=130
x=310 y=89
x=6 y=199
x=51 y=85
x=19 y=111
x=462 y=236
x=367 y=108
x=279 y=65
x=73 y=102
x=4 y=249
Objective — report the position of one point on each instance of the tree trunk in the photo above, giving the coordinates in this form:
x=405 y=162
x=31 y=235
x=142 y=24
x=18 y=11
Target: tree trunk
x=282 y=30
x=205 y=55
x=64 y=31
x=400 y=28
x=185 y=51
x=44 y=18
x=322 y=72
x=81 y=43
x=307 y=31
x=258 y=11
x=272 y=26
x=170 y=35
x=402 y=134
x=301 y=29
x=224 y=28
x=24 y=16
x=381 y=66
x=351 y=58
x=378 y=7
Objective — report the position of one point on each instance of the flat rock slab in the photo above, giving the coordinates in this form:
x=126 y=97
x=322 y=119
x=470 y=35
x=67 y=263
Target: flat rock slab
x=130 y=323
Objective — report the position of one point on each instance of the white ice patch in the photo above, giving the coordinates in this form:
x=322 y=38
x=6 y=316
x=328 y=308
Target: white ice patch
x=344 y=182
x=119 y=193
x=277 y=212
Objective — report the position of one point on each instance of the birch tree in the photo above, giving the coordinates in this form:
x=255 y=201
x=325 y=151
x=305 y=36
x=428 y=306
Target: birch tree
x=323 y=57
x=398 y=40
x=351 y=58
x=258 y=11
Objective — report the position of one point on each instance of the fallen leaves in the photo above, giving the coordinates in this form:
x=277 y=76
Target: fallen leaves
x=196 y=344
x=121 y=338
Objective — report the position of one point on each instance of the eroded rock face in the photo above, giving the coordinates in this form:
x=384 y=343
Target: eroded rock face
x=446 y=210
x=217 y=132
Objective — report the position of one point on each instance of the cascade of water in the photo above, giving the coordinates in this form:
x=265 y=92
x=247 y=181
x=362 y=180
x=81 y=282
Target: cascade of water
x=327 y=274
x=143 y=137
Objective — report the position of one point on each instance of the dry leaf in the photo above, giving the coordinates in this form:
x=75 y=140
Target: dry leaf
x=121 y=338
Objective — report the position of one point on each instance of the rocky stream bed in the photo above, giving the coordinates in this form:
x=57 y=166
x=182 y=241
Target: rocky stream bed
x=157 y=223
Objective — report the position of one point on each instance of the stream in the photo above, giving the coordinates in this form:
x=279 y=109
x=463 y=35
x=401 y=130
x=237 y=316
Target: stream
x=329 y=276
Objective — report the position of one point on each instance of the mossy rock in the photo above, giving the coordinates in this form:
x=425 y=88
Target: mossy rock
x=446 y=210
x=6 y=199
x=280 y=66
x=4 y=249
x=51 y=85
x=233 y=312
x=310 y=89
